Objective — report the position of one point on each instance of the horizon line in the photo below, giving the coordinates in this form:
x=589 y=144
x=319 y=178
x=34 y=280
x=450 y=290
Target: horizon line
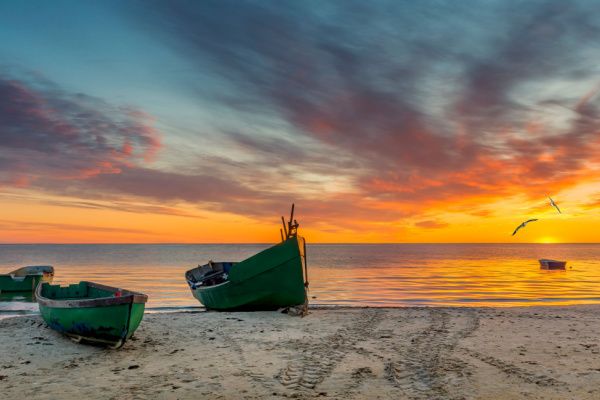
x=268 y=243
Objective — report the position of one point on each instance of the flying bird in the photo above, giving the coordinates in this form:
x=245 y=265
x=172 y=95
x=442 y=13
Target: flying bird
x=523 y=225
x=553 y=204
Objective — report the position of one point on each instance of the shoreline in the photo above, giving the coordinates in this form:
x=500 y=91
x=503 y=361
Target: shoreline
x=534 y=352
x=4 y=314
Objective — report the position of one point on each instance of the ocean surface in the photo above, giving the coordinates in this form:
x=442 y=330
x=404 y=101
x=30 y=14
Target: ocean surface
x=339 y=274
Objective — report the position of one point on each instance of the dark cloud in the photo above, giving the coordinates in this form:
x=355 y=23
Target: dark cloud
x=403 y=105
x=161 y=185
x=73 y=144
x=46 y=133
x=431 y=101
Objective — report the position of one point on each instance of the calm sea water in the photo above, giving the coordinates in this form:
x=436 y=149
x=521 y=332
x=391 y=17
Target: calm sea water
x=353 y=275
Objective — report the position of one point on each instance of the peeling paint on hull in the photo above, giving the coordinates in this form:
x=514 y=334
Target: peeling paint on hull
x=93 y=319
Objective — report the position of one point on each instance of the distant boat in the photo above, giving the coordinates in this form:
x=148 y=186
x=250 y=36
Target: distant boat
x=272 y=279
x=91 y=312
x=26 y=279
x=552 y=264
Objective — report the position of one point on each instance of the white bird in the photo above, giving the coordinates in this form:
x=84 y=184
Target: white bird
x=553 y=204
x=523 y=225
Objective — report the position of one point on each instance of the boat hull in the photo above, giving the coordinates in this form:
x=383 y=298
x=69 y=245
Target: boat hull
x=19 y=284
x=269 y=280
x=26 y=279
x=107 y=320
x=552 y=264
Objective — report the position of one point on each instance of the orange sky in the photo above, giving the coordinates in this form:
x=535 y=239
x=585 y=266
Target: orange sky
x=30 y=218
x=202 y=124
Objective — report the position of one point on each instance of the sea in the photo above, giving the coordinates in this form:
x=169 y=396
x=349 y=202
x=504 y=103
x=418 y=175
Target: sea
x=354 y=275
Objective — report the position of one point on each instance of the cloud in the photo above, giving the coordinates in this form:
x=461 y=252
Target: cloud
x=122 y=206
x=431 y=102
x=431 y=224
x=378 y=111
x=47 y=133
x=16 y=226
x=592 y=205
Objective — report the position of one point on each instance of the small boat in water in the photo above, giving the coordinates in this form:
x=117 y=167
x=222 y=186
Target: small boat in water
x=26 y=279
x=274 y=278
x=552 y=264
x=91 y=312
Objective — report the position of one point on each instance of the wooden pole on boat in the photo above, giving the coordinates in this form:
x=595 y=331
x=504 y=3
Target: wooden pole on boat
x=305 y=306
x=291 y=219
x=284 y=228
x=305 y=265
x=281 y=232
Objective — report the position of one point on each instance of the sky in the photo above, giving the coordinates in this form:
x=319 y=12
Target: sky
x=383 y=121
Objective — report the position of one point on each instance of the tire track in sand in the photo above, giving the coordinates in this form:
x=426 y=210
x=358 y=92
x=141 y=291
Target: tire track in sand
x=425 y=368
x=512 y=370
x=319 y=356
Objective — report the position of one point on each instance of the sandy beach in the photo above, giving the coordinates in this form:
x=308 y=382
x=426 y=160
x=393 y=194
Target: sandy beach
x=352 y=353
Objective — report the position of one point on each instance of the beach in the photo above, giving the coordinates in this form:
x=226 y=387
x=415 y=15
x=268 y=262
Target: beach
x=339 y=353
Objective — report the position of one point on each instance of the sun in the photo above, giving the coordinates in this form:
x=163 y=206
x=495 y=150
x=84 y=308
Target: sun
x=547 y=239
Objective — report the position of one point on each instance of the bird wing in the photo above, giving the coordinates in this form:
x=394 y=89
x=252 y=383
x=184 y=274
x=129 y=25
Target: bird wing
x=518 y=227
x=523 y=225
x=553 y=204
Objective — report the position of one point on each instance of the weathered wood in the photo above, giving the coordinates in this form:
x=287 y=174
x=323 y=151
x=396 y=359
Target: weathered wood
x=305 y=265
x=284 y=227
x=127 y=297
x=103 y=314
x=291 y=217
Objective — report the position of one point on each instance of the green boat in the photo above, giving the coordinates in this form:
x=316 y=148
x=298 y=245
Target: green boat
x=91 y=312
x=26 y=279
x=272 y=279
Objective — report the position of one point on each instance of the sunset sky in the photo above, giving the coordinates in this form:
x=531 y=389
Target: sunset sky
x=383 y=121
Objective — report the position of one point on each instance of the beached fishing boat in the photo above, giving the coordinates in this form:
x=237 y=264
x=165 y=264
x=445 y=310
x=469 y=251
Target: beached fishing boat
x=274 y=278
x=26 y=279
x=552 y=264
x=91 y=312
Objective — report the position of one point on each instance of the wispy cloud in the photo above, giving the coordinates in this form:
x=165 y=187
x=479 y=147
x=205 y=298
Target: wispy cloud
x=49 y=134
x=425 y=112
x=381 y=111
x=34 y=226
x=431 y=224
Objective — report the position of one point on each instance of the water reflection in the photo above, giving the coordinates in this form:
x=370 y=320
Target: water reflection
x=17 y=296
x=374 y=275
x=17 y=303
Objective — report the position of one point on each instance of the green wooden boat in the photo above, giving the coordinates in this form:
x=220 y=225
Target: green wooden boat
x=26 y=279
x=92 y=312
x=271 y=279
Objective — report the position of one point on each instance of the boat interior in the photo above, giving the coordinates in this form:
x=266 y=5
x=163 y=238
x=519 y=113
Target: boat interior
x=81 y=290
x=209 y=274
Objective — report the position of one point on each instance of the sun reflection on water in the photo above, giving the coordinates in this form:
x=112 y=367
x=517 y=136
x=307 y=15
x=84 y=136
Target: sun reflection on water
x=355 y=275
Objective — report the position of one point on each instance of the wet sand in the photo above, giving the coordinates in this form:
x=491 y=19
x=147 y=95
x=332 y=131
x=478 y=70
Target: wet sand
x=403 y=353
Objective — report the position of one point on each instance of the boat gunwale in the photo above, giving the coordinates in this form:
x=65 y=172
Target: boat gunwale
x=203 y=288
x=17 y=278
x=13 y=274
x=128 y=297
x=236 y=263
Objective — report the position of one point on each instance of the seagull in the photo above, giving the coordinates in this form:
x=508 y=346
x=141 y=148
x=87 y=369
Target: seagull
x=523 y=225
x=553 y=204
